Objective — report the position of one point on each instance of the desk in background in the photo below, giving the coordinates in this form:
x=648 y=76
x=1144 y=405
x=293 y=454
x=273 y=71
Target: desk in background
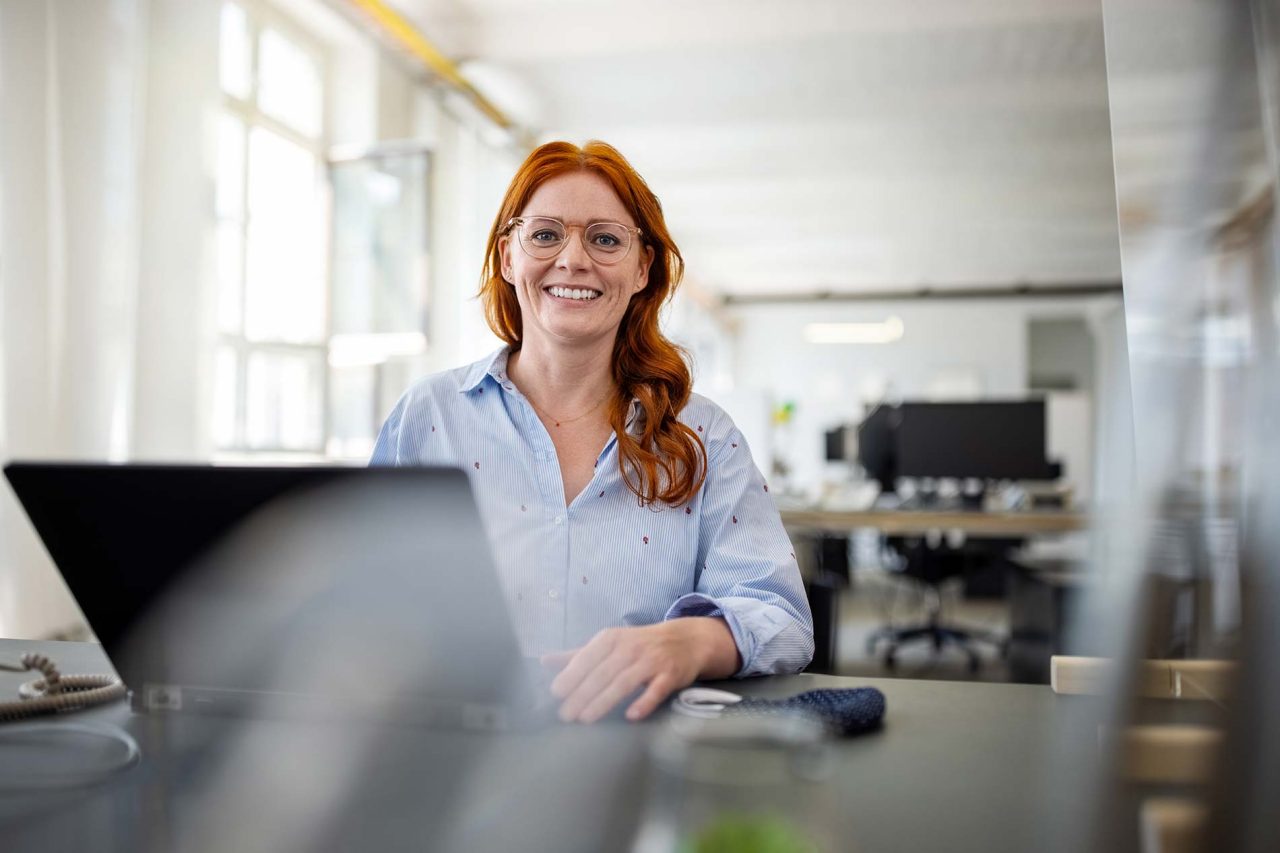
x=824 y=586
x=919 y=522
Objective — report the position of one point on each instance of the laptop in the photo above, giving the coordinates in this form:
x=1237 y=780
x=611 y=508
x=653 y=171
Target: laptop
x=269 y=590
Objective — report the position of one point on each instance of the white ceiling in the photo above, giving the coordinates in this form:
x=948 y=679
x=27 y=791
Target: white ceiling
x=829 y=145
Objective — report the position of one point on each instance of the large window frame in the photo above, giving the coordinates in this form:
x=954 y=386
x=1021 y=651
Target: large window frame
x=247 y=110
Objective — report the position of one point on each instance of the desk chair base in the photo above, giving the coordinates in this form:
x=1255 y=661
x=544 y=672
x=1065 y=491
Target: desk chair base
x=940 y=636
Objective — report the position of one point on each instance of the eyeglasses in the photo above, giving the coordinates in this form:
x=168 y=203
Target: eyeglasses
x=542 y=237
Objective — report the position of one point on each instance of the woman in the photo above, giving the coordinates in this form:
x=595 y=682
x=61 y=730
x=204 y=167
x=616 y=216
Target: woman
x=636 y=539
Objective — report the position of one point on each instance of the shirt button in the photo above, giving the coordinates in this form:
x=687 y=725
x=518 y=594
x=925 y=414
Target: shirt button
x=559 y=519
x=551 y=593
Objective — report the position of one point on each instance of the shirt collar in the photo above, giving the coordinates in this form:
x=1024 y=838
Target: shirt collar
x=494 y=365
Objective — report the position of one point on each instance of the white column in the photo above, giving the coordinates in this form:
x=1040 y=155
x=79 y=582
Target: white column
x=176 y=311
x=95 y=87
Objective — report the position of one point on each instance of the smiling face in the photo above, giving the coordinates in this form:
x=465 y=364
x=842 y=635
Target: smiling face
x=570 y=297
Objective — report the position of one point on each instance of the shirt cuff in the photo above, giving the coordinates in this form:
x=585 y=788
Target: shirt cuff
x=697 y=604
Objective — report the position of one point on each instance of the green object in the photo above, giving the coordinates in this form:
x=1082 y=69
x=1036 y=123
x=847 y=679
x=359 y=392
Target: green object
x=746 y=834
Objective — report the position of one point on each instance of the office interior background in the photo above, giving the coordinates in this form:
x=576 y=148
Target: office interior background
x=236 y=230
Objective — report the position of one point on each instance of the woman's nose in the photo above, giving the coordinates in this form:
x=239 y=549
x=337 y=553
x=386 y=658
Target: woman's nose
x=573 y=255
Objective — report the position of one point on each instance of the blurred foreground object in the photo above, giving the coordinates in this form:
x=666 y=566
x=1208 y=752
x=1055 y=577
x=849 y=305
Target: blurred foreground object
x=740 y=784
x=1187 y=568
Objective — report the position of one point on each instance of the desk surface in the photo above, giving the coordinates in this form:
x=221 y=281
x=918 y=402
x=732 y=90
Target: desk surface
x=908 y=522
x=957 y=766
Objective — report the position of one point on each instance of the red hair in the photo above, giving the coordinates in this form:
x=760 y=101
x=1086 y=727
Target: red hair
x=667 y=462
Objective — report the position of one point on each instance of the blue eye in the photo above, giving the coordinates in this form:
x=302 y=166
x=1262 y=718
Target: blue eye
x=607 y=241
x=545 y=236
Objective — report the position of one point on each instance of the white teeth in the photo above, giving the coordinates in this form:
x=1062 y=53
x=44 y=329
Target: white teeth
x=572 y=293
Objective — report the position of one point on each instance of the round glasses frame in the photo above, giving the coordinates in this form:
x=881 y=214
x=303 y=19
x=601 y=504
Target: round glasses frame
x=543 y=253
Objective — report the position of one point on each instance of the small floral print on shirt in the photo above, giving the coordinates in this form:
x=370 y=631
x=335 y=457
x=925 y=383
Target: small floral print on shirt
x=523 y=508
x=699 y=427
x=735 y=444
x=766 y=487
x=477 y=466
x=688 y=510
x=584 y=579
x=433 y=427
x=735 y=519
x=646 y=540
x=602 y=493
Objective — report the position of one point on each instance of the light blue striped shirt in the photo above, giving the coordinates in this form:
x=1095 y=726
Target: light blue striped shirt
x=604 y=560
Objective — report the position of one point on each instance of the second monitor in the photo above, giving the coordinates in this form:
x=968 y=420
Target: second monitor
x=987 y=440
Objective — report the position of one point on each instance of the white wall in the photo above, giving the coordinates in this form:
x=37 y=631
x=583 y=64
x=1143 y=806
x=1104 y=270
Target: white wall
x=949 y=350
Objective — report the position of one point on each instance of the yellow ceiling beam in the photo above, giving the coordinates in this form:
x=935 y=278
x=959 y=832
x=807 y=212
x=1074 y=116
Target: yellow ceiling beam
x=402 y=33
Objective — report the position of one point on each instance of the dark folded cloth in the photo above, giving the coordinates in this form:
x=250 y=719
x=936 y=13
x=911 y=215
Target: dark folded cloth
x=843 y=710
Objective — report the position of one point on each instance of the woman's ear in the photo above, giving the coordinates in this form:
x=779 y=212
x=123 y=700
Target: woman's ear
x=504 y=258
x=646 y=261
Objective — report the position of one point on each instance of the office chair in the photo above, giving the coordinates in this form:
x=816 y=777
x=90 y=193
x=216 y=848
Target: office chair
x=931 y=567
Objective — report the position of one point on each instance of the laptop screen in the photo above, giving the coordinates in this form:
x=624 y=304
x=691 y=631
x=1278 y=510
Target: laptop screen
x=213 y=564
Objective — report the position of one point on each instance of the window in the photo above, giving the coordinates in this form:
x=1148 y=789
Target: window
x=271 y=366
x=380 y=295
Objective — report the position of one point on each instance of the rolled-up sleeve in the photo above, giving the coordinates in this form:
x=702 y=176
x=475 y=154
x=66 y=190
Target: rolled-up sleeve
x=747 y=572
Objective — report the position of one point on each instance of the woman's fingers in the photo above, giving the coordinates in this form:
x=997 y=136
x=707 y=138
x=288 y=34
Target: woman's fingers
x=583 y=663
x=660 y=688
x=595 y=683
x=622 y=686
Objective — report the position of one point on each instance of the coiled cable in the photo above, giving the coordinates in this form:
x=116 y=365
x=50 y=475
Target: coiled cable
x=55 y=692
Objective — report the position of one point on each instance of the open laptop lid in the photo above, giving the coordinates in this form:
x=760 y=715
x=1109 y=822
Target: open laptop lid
x=200 y=575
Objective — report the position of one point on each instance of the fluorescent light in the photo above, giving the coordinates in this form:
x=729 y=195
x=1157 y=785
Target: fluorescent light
x=855 y=333
x=370 y=349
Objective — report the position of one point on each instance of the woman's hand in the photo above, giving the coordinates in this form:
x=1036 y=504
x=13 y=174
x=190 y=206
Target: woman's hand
x=619 y=661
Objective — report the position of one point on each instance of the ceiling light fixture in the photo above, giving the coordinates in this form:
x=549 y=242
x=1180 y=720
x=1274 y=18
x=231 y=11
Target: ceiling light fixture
x=885 y=332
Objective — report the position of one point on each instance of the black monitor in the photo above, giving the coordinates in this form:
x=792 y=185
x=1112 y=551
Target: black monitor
x=877 y=446
x=833 y=443
x=988 y=440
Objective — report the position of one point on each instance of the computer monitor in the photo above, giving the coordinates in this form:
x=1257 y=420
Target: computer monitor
x=833 y=443
x=988 y=440
x=877 y=446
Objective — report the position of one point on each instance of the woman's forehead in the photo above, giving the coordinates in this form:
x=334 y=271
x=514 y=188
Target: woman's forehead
x=577 y=197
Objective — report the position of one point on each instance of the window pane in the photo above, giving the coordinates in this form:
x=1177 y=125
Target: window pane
x=285 y=401
x=225 y=383
x=230 y=274
x=288 y=83
x=380 y=249
x=230 y=180
x=235 y=58
x=284 y=279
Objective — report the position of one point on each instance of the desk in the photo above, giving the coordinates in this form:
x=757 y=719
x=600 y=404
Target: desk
x=954 y=768
x=918 y=522
x=985 y=525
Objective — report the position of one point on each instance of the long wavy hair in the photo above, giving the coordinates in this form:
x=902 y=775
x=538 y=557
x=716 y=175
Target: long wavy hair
x=667 y=461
